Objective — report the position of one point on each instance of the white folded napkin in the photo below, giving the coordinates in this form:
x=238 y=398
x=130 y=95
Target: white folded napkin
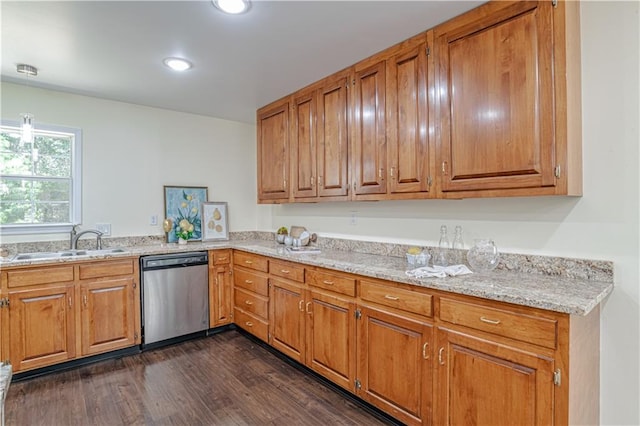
x=438 y=271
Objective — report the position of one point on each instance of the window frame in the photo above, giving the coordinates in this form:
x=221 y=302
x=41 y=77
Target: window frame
x=75 y=198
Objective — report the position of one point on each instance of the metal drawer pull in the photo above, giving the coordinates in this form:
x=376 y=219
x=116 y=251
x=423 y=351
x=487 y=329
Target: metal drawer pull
x=222 y=259
x=300 y=303
x=248 y=262
x=248 y=302
x=489 y=321
x=249 y=323
x=328 y=282
x=307 y=308
x=84 y=299
x=424 y=350
x=440 y=360
x=248 y=281
x=284 y=271
x=390 y=297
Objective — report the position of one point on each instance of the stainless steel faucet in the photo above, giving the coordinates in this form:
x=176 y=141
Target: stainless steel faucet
x=75 y=236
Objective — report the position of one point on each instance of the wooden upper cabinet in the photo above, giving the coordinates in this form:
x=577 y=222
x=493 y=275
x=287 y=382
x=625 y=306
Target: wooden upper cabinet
x=369 y=128
x=304 y=144
x=273 y=152
x=502 y=113
x=333 y=136
x=410 y=116
x=320 y=140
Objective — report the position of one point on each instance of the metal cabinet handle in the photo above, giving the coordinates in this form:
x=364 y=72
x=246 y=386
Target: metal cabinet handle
x=440 y=352
x=424 y=350
x=248 y=302
x=248 y=281
x=284 y=271
x=307 y=308
x=390 y=297
x=248 y=262
x=69 y=301
x=327 y=282
x=300 y=303
x=84 y=300
x=249 y=324
x=222 y=259
x=489 y=321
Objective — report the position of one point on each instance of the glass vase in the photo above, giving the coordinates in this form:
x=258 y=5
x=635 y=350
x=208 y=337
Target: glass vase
x=483 y=256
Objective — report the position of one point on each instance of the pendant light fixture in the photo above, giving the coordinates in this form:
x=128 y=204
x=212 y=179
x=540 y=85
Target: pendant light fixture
x=26 y=122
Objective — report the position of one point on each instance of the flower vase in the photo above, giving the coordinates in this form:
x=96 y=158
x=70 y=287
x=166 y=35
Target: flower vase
x=182 y=241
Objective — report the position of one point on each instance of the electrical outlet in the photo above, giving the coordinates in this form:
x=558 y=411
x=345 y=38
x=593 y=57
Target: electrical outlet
x=354 y=218
x=105 y=228
x=153 y=221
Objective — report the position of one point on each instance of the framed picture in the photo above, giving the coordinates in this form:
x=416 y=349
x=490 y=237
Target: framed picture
x=184 y=203
x=215 y=221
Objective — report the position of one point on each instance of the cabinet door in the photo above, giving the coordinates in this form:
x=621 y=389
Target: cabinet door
x=409 y=75
x=369 y=138
x=286 y=319
x=333 y=137
x=485 y=383
x=107 y=315
x=497 y=98
x=273 y=152
x=303 y=144
x=220 y=296
x=41 y=326
x=331 y=337
x=394 y=368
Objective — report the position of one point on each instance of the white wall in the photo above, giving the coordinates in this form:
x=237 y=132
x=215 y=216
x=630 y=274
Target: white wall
x=603 y=224
x=131 y=151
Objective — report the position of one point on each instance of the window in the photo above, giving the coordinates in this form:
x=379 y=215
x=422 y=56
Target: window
x=40 y=183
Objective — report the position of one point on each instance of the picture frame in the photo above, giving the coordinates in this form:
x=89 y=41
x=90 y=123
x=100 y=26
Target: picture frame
x=215 y=221
x=184 y=202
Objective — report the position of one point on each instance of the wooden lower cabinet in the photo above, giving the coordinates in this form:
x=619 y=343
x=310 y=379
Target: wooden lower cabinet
x=394 y=364
x=220 y=295
x=331 y=336
x=287 y=318
x=42 y=327
x=107 y=312
x=481 y=382
x=59 y=313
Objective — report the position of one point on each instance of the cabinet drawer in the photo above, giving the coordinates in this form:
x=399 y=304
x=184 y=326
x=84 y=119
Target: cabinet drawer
x=251 y=261
x=106 y=269
x=406 y=300
x=251 y=302
x=219 y=257
x=333 y=282
x=35 y=276
x=287 y=270
x=251 y=281
x=252 y=324
x=515 y=325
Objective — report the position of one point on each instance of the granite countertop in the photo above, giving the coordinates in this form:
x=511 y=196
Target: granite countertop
x=555 y=293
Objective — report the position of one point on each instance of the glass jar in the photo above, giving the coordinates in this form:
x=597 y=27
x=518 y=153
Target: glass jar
x=483 y=256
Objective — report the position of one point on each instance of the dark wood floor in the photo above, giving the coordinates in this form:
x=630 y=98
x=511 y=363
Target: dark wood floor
x=224 y=379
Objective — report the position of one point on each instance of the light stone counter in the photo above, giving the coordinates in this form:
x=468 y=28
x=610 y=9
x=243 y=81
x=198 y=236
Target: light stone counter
x=556 y=284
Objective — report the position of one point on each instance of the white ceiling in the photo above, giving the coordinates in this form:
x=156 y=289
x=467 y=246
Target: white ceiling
x=114 y=49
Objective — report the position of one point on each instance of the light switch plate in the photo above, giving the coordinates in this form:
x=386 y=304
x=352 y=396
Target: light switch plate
x=105 y=228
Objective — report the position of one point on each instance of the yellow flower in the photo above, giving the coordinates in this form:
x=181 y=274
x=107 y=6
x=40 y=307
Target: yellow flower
x=194 y=210
x=190 y=229
x=184 y=204
x=189 y=197
x=184 y=224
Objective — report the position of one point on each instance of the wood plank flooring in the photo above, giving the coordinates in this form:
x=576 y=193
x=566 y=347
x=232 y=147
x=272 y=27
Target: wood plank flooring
x=225 y=379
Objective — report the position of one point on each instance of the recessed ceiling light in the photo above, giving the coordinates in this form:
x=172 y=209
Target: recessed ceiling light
x=233 y=7
x=177 y=64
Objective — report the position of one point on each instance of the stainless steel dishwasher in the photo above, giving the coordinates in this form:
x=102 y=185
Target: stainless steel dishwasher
x=175 y=297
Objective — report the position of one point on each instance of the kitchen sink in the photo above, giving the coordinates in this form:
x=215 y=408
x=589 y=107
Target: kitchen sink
x=67 y=253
